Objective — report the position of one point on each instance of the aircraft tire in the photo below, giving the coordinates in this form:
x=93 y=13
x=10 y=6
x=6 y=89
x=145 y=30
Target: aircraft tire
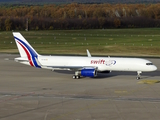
x=138 y=78
x=74 y=77
x=77 y=77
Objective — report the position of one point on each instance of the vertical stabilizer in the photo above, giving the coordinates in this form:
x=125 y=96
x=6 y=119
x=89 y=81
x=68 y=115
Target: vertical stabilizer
x=25 y=49
x=23 y=46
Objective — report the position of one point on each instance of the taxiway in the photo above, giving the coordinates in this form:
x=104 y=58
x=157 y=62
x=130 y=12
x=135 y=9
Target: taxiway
x=28 y=93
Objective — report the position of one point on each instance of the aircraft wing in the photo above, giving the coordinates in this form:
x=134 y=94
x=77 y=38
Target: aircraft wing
x=72 y=68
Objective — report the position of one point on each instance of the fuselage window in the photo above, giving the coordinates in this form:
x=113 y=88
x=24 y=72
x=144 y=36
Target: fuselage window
x=149 y=63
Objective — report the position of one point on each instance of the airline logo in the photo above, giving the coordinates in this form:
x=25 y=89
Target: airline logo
x=110 y=62
x=29 y=52
x=101 y=61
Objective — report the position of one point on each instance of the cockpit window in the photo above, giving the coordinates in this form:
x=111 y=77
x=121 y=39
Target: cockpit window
x=149 y=63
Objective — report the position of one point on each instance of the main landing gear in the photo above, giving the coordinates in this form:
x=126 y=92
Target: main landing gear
x=139 y=75
x=76 y=76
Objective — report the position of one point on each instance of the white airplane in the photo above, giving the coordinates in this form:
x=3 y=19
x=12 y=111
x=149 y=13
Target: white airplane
x=83 y=66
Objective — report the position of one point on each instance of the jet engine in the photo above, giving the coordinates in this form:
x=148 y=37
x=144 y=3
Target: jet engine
x=88 y=72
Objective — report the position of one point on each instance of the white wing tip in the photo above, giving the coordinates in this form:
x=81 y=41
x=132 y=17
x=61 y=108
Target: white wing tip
x=88 y=53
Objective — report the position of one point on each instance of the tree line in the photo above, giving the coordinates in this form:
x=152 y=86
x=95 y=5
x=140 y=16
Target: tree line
x=35 y=2
x=79 y=16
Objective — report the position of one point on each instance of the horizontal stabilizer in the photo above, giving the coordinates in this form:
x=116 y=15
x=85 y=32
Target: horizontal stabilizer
x=21 y=59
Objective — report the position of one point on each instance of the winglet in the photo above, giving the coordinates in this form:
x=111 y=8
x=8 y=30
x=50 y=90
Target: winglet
x=88 y=53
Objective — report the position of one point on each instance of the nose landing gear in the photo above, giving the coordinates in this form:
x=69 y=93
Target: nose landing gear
x=139 y=75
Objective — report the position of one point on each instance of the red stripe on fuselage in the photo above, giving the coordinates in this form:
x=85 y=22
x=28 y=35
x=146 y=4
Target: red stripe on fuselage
x=28 y=55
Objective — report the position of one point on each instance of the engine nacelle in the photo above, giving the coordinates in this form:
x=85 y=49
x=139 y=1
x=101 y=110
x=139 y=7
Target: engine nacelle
x=88 y=72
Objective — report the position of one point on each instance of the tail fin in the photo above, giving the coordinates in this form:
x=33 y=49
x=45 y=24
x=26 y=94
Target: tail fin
x=23 y=46
x=25 y=49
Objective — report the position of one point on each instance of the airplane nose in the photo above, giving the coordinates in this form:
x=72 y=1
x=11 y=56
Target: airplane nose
x=154 y=68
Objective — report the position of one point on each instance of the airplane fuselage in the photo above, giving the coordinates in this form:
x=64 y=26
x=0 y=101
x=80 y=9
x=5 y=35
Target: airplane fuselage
x=83 y=66
x=101 y=63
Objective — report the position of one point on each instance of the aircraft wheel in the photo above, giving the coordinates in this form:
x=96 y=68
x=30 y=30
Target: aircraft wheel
x=138 y=78
x=138 y=75
x=74 y=77
x=77 y=77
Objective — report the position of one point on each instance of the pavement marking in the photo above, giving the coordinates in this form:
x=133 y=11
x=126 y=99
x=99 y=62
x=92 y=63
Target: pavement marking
x=16 y=97
x=6 y=59
x=120 y=91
